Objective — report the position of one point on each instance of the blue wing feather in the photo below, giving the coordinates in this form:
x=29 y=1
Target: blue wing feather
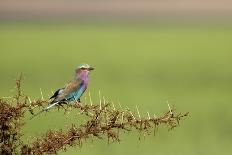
x=75 y=96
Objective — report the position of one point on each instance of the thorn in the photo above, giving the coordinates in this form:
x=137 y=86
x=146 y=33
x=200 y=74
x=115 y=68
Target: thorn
x=34 y=107
x=138 y=112
x=52 y=92
x=41 y=94
x=132 y=115
x=127 y=108
x=29 y=100
x=155 y=116
x=113 y=105
x=119 y=104
x=122 y=117
x=104 y=102
x=90 y=99
x=80 y=112
x=170 y=110
x=149 y=117
x=100 y=99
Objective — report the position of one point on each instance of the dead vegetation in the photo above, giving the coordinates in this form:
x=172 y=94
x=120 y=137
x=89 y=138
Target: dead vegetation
x=104 y=121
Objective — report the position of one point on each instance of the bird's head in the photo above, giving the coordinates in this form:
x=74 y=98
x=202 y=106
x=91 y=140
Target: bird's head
x=83 y=69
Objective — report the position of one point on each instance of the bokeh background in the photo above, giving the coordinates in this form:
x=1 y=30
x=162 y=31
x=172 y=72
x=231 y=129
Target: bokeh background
x=145 y=53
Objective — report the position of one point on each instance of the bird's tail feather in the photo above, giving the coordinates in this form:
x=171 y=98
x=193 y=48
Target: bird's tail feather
x=50 y=106
x=45 y=109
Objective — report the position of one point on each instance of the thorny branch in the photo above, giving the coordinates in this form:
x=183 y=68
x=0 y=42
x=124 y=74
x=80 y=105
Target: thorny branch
x=104 y=120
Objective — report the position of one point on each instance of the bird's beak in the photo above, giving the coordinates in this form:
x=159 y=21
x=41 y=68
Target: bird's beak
x=90 y=68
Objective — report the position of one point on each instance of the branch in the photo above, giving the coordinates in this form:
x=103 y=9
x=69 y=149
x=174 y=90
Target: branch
x=104 y=121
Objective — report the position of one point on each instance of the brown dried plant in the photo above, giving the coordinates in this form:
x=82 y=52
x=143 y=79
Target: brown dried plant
x=103 y=121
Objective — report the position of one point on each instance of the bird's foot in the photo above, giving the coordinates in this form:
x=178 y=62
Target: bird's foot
x=62 y=106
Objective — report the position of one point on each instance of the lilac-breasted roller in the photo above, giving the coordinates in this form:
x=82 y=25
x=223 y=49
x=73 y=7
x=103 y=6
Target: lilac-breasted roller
x=73 y=90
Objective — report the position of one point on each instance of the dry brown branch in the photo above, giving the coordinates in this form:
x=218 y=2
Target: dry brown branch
x=104 y=121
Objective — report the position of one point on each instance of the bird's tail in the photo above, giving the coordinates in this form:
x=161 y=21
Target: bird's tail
x=51 y=105
x=45 y=109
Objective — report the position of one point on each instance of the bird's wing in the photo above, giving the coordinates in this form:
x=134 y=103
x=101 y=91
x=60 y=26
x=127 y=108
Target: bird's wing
x=59 y=91
x=69 y=88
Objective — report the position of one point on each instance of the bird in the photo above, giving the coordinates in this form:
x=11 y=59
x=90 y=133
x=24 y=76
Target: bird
x=71 y=91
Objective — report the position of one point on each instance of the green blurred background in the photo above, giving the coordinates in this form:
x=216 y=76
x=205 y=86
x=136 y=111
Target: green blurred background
x=137 y=63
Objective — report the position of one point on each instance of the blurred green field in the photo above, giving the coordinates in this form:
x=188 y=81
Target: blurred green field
x=145 y=65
